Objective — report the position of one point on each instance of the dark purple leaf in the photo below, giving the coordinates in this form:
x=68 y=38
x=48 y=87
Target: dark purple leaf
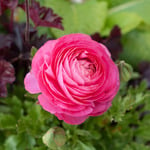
x=7 y=75
x=3 y=89
x=13 y=45
x=112 y=42
x=14 y=49
x=144 y=69
x=143 y=114
x=7 y=4
x=133 y=125
x=7 y=47
x=134 y=82
x=42 y=16
x=97 y=37
x=139 y=107
x=5 y=41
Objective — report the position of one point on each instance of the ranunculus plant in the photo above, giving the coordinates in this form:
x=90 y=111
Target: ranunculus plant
x=75 y=76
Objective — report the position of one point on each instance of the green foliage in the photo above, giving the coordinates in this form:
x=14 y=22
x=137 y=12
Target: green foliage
x=128 y=16
x=33 y=51
x=23 y=123
x=136 y=146
x=84 y=146
x=136 y=47
x=114 y=3
x=19 y=142
x=122 y=104
x=87 y=18
x=125 y=126
x=7 y=121
x=140 y=7
x=125 y=20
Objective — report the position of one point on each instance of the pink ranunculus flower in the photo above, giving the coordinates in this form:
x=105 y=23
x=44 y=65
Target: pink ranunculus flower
x=75 y=76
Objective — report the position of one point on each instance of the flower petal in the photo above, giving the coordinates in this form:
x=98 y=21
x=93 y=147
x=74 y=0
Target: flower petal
x=31 y=84
x=45 y=103
x=100 y=108
x=70 y=119
x=39 y=58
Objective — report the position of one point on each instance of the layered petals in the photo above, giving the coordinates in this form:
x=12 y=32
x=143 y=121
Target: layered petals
x=75 y=76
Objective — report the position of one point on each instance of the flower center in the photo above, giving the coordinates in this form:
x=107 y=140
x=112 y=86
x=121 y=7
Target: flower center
x=86 y=67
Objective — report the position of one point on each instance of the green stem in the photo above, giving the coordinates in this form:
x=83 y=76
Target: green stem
x=27 y=36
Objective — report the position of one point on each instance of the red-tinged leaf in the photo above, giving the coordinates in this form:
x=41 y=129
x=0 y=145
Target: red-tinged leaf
x=7 y=4
x=7 y=75
x=42 y=16
x=113 y=42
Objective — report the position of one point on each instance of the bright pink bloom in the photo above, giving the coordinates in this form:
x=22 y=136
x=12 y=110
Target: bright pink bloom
x=75 y=76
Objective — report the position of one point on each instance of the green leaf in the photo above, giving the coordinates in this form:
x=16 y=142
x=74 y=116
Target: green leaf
x=136 y=47
x=2 y=137
x=128 y=16
x=136 y=146
x=125 y=20
x=140 y=7
x=19 y=142
x=84 y=18
x=121 y=104
x=19 y=90
x=83 y=132
x=113 y=3
x=25 y=141
x=143 y=132
x=11 y=143
x=7 y=121
x=35 y=112
x=84 y=146
x=33 y=123
x=39 y=148
x=33 y=51
x=2 y=147
x=4 y=109
x=16 y=106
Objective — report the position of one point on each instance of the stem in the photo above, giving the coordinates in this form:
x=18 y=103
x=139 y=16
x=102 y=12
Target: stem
x=31 y=2
x=27 y=36
x=11 y=21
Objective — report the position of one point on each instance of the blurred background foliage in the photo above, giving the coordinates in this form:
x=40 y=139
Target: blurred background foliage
x=124 y=27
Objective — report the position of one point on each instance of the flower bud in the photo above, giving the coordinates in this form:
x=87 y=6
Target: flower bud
x=125 y=71
x=54 y=138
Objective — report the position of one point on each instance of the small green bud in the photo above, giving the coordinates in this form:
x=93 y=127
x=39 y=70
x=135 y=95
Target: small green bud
x=54 y=138
x=125 y=71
